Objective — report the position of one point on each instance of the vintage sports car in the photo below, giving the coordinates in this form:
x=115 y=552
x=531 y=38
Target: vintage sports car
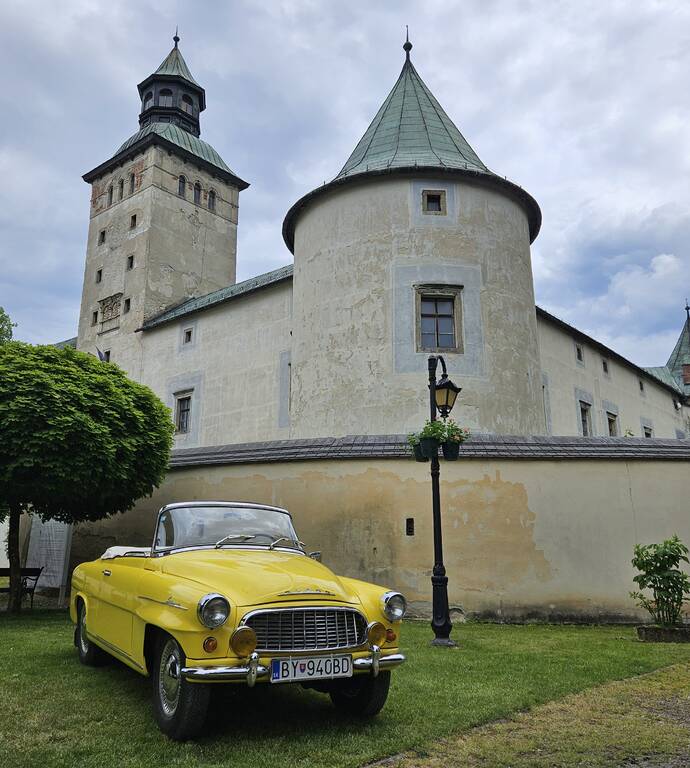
x=227 y=594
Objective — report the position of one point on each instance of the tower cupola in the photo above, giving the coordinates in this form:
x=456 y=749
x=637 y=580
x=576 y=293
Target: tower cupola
x=172 y=95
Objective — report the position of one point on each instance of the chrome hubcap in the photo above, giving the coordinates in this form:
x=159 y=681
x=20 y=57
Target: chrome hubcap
x=169 y=677
x=83 y=641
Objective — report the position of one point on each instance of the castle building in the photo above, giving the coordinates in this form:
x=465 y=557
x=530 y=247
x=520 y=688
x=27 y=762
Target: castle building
x=414 y=248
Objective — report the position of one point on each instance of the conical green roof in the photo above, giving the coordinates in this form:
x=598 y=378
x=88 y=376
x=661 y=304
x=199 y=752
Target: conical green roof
x=175 y=65
x=411 y=129
x=681 y=352
x=411 y=134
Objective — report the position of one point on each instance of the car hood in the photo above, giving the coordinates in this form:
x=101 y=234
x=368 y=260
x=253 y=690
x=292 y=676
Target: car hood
x=254 y=577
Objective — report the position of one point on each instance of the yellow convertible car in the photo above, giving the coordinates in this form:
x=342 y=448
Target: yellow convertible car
x=227 y=594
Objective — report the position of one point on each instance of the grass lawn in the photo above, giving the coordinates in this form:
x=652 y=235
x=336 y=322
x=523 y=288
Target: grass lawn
x=55 y=712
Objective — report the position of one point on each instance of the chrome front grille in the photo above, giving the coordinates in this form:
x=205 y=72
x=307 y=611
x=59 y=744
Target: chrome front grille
x=307 y=629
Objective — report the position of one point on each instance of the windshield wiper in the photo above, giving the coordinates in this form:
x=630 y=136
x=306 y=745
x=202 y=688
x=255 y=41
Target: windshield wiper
x=300 y=544
x=234 y=537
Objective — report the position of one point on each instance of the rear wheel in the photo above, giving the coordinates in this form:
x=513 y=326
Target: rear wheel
x=362 y=695
x=179 y=706
x=89 y=654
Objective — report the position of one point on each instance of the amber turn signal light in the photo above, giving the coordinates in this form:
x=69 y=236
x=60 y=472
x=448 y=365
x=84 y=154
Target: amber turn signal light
x=243 y=641
x=376 y=633
x=210 y=644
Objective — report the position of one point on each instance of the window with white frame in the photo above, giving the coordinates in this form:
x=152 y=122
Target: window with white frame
x=183 y=412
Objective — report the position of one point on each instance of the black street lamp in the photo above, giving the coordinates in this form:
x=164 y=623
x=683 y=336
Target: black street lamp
x=442 y=395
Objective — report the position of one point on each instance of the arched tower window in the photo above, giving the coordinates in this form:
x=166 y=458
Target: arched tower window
x=187 y=104
x=197 y=193
x=211 y=200
x=121 y=189
x=165 y=98
x=131 y=184
x=110 y=195
x=182 y=186
x=148 y=101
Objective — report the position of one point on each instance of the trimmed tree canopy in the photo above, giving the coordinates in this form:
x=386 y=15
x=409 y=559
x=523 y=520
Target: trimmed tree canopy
x=78 y=439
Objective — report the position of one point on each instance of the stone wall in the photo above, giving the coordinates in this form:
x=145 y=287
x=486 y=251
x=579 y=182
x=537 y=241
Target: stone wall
x=533 y=528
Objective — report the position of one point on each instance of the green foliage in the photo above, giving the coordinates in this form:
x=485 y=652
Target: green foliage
x=659 y=571
x=6 y=326
x=78 y=439
x=436 y=430
x=443 y=431
x=455 y=433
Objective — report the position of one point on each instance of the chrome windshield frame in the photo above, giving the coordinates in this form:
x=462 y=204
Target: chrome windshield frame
x=159 y=551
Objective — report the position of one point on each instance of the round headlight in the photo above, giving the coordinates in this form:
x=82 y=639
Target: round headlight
x=394 y=606
x=213 y=610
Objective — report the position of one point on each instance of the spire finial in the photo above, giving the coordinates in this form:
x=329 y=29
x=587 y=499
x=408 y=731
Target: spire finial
x=176 y=39
x=687 y=310
x=407 y=47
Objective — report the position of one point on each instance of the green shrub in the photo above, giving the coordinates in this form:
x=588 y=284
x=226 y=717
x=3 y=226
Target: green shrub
x=659 y=571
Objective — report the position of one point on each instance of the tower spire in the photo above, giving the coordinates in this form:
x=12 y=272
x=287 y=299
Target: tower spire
x=687 y=310
x=407 y=46
x=176 y=38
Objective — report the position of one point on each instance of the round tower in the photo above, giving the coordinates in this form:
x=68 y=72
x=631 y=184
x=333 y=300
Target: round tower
x=415 y=248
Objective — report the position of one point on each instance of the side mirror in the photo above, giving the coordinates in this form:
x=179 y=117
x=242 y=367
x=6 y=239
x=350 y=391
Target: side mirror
x=315 y=556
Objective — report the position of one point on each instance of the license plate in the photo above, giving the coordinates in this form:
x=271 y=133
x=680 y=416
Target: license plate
x=318 y=668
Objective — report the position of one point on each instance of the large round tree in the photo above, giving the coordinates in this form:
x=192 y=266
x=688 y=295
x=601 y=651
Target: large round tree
x=78 y=440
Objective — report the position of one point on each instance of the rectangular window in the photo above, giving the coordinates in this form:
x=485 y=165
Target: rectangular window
x=579 y=353
x=605 y=366
x=612 y=420
x=127 y=305
x=648 y=432
x=187 y=336
x=133 y=222
x=94 y=318
x=130 y=261
x=439 y=317
x=183 y=412
x=409 y=526
x=99 y=275
x=585 y=419
x=641 y=383
x=434 y=201
x=106 y=356
x=101 y=237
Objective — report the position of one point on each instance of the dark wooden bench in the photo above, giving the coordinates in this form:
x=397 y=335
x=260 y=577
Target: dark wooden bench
x=30 y=577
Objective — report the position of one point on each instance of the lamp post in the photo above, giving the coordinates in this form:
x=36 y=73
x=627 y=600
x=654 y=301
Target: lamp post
x=442 y=395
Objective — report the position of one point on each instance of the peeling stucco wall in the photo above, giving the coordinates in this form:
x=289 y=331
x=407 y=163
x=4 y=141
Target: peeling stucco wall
x=528 y=538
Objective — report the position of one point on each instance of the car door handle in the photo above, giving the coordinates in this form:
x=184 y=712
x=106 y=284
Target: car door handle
x=106 y=572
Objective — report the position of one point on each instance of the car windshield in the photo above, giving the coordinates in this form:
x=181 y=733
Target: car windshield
x=223 y=526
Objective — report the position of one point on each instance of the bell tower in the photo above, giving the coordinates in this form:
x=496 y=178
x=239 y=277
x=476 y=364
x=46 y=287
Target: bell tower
x=163 y=218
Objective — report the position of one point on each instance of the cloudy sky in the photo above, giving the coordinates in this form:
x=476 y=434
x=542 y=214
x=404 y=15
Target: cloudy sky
x=585 y=104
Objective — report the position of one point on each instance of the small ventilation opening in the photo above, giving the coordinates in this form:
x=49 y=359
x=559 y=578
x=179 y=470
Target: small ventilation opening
x=409 y=526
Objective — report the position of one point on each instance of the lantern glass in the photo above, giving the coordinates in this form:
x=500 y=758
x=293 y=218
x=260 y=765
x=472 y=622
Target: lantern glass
x=446 y=394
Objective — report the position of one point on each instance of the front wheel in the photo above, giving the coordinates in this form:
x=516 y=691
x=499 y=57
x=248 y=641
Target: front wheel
x=362 y=695
x=178 y=705
x=89 y=654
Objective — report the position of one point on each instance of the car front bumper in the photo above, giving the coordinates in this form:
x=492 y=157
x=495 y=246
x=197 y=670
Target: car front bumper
x=252 y=669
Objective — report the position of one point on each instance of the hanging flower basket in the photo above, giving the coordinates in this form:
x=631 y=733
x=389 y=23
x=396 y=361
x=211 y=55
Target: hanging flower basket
x=451 y=450
x=429 y=447
x=418 y=455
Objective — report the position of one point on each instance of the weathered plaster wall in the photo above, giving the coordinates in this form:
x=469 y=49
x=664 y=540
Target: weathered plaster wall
x=521 y=538
x=359 y=251
x=180 y=249
x=568 y=380
x=235 y=367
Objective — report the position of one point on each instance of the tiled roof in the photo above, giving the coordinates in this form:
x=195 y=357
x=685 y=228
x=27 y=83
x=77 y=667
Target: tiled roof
x=180 y=138
x=479 y=446
x=664 y=375
x=220 y=296
x=411 y=129
x=66 y=343
x=175 y=65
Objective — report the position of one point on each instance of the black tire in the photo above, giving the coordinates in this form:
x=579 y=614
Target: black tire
x=361 y=695
x=179 y=706
x=89 y=654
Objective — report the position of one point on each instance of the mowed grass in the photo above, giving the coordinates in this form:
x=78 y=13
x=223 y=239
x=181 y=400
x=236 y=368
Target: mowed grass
x=55 y=712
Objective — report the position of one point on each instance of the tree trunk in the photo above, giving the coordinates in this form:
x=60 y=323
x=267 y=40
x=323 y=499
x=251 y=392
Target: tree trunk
x=15 y=602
